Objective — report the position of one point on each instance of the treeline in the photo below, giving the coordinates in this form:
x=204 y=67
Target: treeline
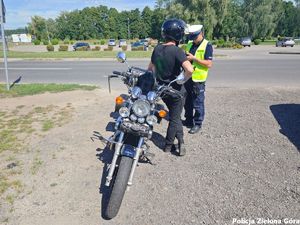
x=221 y=19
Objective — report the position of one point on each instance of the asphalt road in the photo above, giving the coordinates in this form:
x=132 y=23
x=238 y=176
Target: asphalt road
x=279 y=70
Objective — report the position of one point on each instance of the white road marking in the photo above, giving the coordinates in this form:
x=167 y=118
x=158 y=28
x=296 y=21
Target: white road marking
x=42 y=68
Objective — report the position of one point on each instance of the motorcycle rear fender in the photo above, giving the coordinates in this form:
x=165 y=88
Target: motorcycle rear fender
x=128 y=150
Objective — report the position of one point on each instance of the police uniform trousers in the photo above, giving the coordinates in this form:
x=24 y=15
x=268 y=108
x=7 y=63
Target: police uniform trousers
x=194 y=102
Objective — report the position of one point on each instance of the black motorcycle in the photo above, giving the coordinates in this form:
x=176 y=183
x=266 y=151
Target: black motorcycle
x=137 y=115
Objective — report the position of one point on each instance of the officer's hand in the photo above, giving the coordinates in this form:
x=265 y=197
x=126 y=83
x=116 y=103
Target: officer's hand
x=190 y=56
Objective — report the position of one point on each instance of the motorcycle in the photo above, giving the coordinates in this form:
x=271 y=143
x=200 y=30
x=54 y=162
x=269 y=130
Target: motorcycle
x=137 y=115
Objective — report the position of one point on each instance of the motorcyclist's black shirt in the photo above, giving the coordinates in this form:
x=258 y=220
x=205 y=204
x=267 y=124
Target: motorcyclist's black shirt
x=168 y=60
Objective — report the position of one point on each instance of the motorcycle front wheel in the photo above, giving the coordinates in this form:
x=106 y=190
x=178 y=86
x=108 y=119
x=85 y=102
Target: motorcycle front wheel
x=119 y=187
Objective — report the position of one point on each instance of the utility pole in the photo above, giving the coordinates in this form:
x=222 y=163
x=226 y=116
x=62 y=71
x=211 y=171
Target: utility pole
x=128 y=30
x=2 y=21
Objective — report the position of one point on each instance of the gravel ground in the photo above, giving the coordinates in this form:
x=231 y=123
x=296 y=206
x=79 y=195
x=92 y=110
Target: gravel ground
x=244 y=164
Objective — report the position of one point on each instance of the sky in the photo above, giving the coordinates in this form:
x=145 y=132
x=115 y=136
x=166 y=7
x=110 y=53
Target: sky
x=19 y=12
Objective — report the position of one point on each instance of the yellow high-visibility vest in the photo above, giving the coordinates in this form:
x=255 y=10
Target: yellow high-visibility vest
x=200 y=72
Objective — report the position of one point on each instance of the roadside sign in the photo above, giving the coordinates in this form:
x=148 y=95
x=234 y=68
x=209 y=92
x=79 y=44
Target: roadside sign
x=3 y=12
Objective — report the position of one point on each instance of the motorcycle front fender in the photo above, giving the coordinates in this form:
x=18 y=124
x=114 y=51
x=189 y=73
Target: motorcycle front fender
x=128 y=150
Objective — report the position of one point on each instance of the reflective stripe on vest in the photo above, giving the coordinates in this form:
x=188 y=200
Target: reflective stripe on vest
x=200 y=72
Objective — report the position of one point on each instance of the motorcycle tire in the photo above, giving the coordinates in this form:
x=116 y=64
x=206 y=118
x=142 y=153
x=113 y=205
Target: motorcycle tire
x=119 y=187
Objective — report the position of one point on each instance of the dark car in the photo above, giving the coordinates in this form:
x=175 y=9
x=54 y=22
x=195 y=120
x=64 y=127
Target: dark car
x=81 y=45
x=145 y=42
x=138 y=44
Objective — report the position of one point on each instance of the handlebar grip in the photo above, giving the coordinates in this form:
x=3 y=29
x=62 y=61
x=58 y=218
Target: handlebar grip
x=117 y=73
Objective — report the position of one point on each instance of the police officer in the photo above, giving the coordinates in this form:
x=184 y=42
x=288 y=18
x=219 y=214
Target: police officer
x=200 y=53
x=167 y=61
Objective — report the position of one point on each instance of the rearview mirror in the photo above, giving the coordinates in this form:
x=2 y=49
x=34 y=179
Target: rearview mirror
x=121 y=56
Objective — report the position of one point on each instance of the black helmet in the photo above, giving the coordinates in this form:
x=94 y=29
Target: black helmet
x=173 y=29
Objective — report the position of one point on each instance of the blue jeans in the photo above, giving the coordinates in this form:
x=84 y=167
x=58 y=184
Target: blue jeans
x=194 y=103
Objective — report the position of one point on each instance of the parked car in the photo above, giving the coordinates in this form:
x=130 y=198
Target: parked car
x=245 y=41
x=138 y=44
x=145 y=42
x=80 y=45
x=111 y=42
x=285 y=42
x=122 y=42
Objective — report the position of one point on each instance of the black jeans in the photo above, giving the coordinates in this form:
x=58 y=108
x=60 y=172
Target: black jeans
x=175 y=107
x=194 y=103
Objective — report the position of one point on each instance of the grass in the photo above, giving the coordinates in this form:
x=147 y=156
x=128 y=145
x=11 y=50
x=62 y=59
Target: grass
x=77 y=54
x=37 y=163
x=47 y=125
x=34 y=89
x=8 y=141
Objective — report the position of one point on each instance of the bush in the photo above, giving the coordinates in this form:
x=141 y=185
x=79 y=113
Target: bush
x=54 y=41
x=45 y=42
x=36 y=42
x=257 y=41
x=50 y=48
x=83 y=48
x=140 y=48
x=97 y=48
x=124 y=48
x=110 y=48
x=72 y=42
x=66 y=41
x=237 y=46
x=63 y=48
x=102 y=42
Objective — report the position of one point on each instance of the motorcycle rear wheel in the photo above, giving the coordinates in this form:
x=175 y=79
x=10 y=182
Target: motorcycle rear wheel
x=119 y=187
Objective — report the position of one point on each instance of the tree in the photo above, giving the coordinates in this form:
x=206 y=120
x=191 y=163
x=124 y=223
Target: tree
x=38 y=27
x=147 y=15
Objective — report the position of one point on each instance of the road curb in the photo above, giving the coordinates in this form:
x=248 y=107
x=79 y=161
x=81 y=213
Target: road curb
x=284 y=53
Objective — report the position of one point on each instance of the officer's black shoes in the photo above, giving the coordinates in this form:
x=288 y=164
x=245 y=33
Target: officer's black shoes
x=181 y=148
x=168 y=148
x=195 y=129
x=187 y=124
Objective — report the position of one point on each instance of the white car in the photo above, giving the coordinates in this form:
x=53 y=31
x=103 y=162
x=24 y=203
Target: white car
x=285 y=42
x=111 y=42
x=122 y=42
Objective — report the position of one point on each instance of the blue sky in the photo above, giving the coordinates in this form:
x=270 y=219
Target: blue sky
x=18 y=12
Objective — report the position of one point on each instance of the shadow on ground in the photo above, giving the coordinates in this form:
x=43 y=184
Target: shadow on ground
x=104 y=155
x=288 y=117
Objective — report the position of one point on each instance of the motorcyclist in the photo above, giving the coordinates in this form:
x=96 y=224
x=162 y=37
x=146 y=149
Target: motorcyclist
x=167 y=61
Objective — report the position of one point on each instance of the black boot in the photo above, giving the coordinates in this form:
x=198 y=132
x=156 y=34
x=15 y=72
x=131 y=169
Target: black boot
x=195 y=129
x=181 y=148
x=168 y=148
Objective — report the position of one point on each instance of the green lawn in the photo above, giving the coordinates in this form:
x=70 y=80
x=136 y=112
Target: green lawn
x=33 y=89
x=77 y=54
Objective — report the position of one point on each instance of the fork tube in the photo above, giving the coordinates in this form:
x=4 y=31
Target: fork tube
x=114 y=160
x=135 y=160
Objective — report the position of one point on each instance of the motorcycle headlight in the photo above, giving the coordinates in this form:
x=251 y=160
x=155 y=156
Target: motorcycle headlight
x=133 y=117
x=136 y=92
x=151 y=119
x=141 y=108
x=141 y=120
x=124 y=112
x=151 y=96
